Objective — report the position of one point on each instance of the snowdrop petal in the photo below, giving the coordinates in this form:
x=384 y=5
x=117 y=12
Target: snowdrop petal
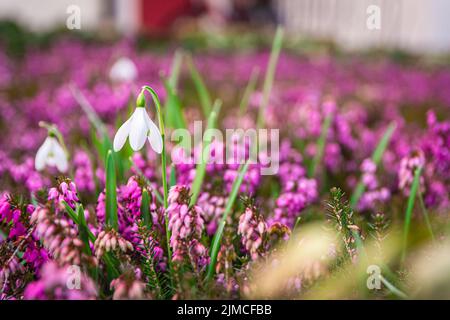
x=138 y=130
x=42 y=154
x=122 y=135
x=154 y=136
x=60 y=157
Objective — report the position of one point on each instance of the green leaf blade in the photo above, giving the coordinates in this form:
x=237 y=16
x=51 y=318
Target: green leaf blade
x=409 y=209
x=219 y=233
x=320 y=145
x=201 y=167
x=202 y=91
x=111 y=192
x=145 y=208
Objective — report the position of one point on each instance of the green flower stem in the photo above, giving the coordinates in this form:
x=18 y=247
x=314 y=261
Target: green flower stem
x=163 y=159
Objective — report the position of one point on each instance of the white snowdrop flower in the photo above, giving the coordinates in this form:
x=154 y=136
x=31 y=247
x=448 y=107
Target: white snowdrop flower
x=123 y=70
x=51 y=154
x=139 y=127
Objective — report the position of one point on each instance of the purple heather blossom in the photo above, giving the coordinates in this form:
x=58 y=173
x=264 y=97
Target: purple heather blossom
x=186 y=225
x=55 y=284
x=293 y=200
x=373 y=192
x=252 y=229
x=213 y=207
x=111 y=241
x=408 y=166
x=84 y=175
x=129 y=286
x=66 y=191
x=59 y=238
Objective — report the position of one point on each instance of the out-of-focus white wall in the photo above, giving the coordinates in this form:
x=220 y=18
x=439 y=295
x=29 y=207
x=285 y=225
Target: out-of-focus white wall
x=127 y=15
x=42 y=15
x=415 y=25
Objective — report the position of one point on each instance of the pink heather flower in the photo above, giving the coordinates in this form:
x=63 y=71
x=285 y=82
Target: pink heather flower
x=61 y=283
x=101 y=177
x=26 y=174
x=8 y=270
x=111 y=241
x=368 y=168
x=186 y=226
x=374 y=193
x=130 y=198
x=84 y=175
x=66 y=191
x=59 y=237
x=252 y=229
x=129 y=286
x=100 y=209
x=408 y=166
x=198 y=255
x=293 y=200
x=143 y=166
x=436 y=145
x=34 y=254
x=213 y=207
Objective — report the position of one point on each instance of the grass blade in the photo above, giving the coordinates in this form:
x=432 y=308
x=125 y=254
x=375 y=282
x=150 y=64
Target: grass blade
x=72 y=214
x=202 y=91
x=219 y=233
x=88 y=110
x=201 y=167
x=376 y=158
x=83 y=229
x=104 y=143
x=425 y=214
x=270 y=75
x=145 y=208
x=173 y=177
x=409 y=209
x=111 y=192
x=320 y=146
x=251 y=86
x=173 y=111
x=397 y=292
x=175 y=69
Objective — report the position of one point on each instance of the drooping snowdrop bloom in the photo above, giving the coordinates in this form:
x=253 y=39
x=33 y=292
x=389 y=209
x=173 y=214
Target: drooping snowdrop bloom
x=51 y=154
x=123 y=70
x=139 y=127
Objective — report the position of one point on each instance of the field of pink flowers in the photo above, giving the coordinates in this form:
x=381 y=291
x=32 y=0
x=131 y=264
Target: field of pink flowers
x=363 y=181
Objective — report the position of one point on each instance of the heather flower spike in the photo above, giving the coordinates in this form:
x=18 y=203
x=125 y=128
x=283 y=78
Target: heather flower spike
x=51 y=153
x=138 y=128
